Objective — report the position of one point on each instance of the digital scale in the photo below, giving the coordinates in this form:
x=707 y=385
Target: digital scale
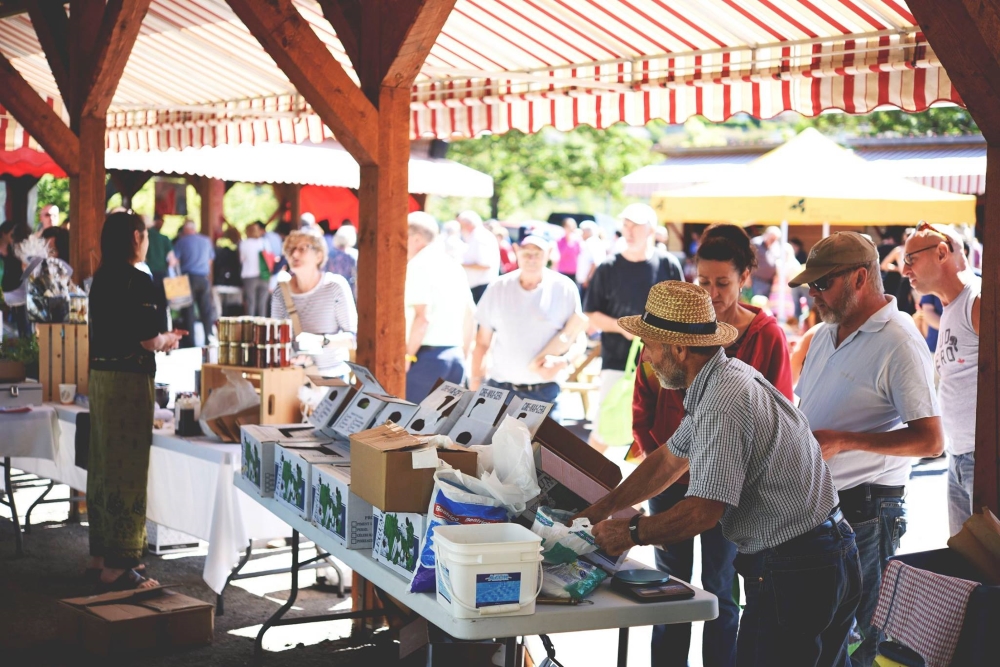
x=650 y=586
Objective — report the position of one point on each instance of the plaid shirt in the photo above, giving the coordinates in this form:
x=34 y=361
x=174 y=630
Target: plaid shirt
x=750 y=448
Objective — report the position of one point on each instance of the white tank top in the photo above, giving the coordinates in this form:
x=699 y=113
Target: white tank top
x=957 y=362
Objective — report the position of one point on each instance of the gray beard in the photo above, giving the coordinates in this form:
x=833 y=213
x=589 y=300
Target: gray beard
x=674 y=381
x=836 y=315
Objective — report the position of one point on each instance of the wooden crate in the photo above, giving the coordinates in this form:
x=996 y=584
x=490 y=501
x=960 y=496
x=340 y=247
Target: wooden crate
x=278 y=389
x=63 y=357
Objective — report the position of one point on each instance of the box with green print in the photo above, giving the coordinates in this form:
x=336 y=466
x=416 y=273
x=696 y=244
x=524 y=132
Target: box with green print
x=397 y=540
x=335 y=510
x=293 y=474
x=257 y=443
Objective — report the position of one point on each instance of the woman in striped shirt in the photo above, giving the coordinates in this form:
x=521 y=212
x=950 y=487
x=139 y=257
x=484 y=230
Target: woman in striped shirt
x=323 y=300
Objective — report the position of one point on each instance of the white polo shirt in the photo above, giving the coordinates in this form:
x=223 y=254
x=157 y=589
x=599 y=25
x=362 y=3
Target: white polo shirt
x=877 y=380
x=435 y=280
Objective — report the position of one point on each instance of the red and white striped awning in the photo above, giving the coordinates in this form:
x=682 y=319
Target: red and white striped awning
x=197 y=77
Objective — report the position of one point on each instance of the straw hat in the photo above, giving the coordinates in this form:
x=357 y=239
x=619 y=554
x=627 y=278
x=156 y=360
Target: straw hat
x=679 y=313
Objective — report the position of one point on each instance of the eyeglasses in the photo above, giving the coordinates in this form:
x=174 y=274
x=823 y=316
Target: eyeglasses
x=300 y=248
x=908 y=257
x=824 y=283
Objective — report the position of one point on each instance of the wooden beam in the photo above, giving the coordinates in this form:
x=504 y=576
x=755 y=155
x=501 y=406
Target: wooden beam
x=383 y=202
x=85 y=18
x=961 y=39
x=345 y=17
x=38 y=118
x=411 y=37
x=52 y=28
x=212 y=191
x=86 y=197
x=119 y=30
x=313 y=70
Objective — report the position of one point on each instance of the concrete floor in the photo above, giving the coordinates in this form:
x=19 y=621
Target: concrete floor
x=56 y=552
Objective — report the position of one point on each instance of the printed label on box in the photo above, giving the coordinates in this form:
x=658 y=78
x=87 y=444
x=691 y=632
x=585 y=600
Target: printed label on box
x=498 y=588
x=397 y=539
x=290 y=482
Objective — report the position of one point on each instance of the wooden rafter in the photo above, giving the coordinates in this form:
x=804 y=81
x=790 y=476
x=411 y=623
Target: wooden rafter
x=52 y=27
x=38 y=118
x=119 y=30
x=312 y=69
x=412 y=40
x=345 y=17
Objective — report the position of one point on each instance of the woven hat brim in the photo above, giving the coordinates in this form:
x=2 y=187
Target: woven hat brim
x=634 y=324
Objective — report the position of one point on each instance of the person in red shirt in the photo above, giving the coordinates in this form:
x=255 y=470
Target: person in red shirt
x=725 y=261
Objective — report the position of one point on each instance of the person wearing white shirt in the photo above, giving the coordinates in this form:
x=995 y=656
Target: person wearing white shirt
x=867 y=389
x=528 y=319
x=592 y=253
x=482 y=253
x=255 y=288
x=438 y=310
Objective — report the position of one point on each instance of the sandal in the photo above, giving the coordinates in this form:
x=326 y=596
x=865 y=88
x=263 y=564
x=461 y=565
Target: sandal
x=93 y=574
x=129 y=580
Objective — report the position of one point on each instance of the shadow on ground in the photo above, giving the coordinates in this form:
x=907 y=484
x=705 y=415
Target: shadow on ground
x=52 y=569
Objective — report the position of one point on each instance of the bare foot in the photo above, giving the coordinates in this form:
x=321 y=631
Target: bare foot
x=109 y=576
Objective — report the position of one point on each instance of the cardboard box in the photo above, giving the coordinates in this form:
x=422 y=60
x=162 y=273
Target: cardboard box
x=337 y=510
x=163 y=540
x=394 y=470
x=293 y=475
x=116 y=623
x=397 y=540
x=257 y=447
x=361 y=407
x=529 y=411
x=440 y=410
x=480 y=418
x=326 y=413
x=395 y=410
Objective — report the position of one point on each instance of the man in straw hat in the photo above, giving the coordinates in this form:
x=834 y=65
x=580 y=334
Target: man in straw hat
x=867 y=373
x=755 y=467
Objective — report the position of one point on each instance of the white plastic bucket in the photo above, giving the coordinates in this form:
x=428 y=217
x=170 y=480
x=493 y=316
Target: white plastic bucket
x=492 y=569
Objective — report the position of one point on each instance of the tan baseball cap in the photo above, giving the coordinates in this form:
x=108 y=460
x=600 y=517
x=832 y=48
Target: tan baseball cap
x=836 y=251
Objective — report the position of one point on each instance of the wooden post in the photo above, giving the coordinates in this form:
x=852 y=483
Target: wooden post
x=86 y=200
x=964 y=36
x=212 y=191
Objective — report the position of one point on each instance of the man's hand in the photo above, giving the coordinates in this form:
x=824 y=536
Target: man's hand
x=549 y=366
x=594 y=514
x=613 y=537
x=830 y=443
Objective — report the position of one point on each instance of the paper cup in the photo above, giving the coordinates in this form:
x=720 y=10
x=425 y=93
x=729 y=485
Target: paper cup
x=67 y=393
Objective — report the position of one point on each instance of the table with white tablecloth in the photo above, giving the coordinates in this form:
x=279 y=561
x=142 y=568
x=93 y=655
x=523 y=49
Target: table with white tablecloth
x=190 y=489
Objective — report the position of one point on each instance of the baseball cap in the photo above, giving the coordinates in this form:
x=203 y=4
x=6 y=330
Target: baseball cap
x=589 y=224
x=640 y=214
x=535 y=240
x=834 y=252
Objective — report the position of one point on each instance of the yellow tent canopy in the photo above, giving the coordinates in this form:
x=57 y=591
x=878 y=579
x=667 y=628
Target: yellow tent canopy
x=812 y=180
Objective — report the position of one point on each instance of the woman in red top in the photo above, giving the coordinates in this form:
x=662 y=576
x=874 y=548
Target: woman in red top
x=725 y=261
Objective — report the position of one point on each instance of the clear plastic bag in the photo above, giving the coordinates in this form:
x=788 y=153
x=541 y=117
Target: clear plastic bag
x=507 y=467
x=562 y=543
x=236 y=396
x=576 y=579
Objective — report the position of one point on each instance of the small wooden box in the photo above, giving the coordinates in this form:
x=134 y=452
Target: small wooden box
x=278 y=389
x=63 y=357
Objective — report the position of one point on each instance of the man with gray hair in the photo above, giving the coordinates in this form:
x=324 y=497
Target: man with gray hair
x=481 y=260
x=768 y=248
x=195 y=254
x=867 y=374
x=439 y=310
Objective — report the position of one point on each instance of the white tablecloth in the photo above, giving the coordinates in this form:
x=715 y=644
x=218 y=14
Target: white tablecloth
x=34 y=434
x=190 y=489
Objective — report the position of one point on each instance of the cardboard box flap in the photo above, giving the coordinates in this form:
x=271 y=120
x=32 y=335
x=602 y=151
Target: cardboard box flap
x=386 y=398
x=366 y=379
x=321 y=381
x=529 y=411
x=390 y=438
x=440 y=410
x=561 y=441
x=122 y=612
x=341 y=473
x=171 y=601
x=104 y=598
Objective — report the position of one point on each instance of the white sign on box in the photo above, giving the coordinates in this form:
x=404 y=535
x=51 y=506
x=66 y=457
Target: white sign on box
x=529 y=411
x=329 y=408
x=479 y=419
x=360 y=412
x=440 y=410
x=396 y=410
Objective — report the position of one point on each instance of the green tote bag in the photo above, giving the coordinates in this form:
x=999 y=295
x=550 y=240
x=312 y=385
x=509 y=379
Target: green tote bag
x=614 y=424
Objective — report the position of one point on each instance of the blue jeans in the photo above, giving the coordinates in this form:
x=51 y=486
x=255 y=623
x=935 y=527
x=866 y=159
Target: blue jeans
x=446 y=363
x=879 y=523
x=960 y=472
x=801 y=599
x=671 y=643
x=547 y=392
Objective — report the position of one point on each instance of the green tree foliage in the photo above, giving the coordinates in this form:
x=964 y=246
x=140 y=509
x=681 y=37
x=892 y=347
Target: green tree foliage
x=938 y=121
x=52 y=190
x=580 y=165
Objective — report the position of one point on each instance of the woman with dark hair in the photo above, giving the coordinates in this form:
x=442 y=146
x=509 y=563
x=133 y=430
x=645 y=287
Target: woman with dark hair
x=124 y=335
x=725 y=261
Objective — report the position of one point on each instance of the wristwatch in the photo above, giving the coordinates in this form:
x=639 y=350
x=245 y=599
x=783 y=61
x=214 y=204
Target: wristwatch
x=633 y=530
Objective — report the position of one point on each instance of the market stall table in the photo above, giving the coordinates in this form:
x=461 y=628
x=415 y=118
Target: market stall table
x=190 y=490
x=34 y=433
x=609 y=610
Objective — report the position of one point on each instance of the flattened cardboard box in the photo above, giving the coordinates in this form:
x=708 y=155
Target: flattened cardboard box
x=394 y=470
x=440 y=410
x=293 y=474
x=337 y=510
x=397 y=540
x=116 y=623
x=257 y=450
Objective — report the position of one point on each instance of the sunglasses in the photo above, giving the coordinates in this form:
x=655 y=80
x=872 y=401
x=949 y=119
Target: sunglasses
x=927 y=227
x=824 y=283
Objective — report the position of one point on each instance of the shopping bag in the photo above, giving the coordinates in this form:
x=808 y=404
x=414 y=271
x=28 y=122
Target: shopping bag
x=178 y=291
x=614 y=424
x=266 y=261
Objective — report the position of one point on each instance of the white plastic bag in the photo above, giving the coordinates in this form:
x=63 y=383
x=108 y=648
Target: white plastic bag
x=512 y=479
x=562 y=543
x=236 y=396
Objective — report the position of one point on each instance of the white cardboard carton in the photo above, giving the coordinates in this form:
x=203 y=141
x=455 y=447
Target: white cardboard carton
x=480 y=417
x=529 y=411
x=397 y=540
x=344 y=516
x=326 y=413
x=440 y=410
x=362 y=407
x=257 y=446
x=396 y=410
x=293 y=475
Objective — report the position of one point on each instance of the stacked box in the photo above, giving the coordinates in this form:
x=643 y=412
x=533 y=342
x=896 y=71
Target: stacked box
x=335 y=510
x=293 y=475
x=257 y=449
x=397 y=540
x=440 y=410
x=480 y=418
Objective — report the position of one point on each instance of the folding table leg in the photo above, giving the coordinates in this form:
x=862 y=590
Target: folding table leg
x=258 y=645
x=622 y=647
x=9 y=491
x=220 y=602
x=510 y=652
x=27 y=515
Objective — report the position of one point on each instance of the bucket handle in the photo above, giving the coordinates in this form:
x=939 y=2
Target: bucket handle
x=498 y=609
